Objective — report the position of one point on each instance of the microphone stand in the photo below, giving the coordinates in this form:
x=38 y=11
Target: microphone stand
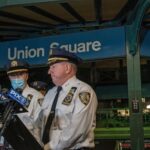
x=8 y=113
x=7 y=116
x=13 y=129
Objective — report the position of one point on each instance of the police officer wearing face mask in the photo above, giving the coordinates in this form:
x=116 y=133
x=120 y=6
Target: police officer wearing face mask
x=17 y=72
x=40 y=86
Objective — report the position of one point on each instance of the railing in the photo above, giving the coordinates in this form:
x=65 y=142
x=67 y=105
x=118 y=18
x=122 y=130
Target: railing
x=114 y=125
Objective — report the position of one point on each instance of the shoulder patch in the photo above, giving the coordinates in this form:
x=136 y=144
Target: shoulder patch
x=84 y=97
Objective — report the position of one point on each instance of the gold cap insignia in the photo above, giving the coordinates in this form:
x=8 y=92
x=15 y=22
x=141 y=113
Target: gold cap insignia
x=14 y=63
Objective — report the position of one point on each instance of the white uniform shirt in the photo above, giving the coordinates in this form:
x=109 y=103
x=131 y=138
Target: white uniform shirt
x=28 y=117
x=75 y=116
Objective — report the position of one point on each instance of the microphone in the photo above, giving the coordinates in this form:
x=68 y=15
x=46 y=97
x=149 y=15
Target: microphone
x=16 y=96
x=3 y=96
x=17 y=104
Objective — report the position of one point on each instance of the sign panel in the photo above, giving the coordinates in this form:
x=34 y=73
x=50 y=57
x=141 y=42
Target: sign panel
x=90 y=45
x=145 y=46
x=135 y=106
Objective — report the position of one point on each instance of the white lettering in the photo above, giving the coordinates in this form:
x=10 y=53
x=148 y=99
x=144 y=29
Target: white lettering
x=79 y=47
x=54 y=44
x=82 y=47
x=96 y=46
x=20 y=54
x=10 y=55
x=25 y=53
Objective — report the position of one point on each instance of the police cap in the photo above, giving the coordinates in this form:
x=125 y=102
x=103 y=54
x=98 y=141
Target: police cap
x=39 y=85
x=17 y=66
x=61 y=55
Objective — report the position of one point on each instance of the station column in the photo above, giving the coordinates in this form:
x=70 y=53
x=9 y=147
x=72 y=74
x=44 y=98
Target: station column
x=132 y=30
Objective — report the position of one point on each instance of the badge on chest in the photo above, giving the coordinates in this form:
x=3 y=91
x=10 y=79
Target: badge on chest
x=68 y=99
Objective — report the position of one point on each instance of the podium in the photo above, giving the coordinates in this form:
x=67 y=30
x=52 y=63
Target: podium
x=14 y=131
x=19 y=137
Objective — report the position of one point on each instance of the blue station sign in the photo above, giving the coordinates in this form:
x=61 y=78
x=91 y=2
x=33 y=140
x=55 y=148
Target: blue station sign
x=145 y=46
x=90 y=45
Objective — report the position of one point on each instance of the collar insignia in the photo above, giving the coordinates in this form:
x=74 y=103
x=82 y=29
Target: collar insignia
x=29 y=97
x=40 y=100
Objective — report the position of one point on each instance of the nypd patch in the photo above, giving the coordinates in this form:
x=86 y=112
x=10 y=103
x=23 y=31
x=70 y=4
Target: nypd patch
x=84 y=97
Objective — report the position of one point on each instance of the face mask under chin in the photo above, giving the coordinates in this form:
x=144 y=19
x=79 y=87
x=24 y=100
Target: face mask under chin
x=18 y=84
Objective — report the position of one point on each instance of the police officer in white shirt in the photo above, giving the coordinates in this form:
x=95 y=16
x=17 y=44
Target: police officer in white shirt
x=75 y=114
x=17 y=72
x=40 y=86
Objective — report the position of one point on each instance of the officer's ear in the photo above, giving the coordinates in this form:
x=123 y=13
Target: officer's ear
x=68 y=67
x=26 y=76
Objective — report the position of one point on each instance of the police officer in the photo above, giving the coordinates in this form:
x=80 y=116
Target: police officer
x=75 y=112
x=40 y=86
x=17 y=72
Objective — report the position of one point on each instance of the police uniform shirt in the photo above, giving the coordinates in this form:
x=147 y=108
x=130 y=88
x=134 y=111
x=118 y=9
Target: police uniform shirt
x=28 y=117
x=75 y=115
